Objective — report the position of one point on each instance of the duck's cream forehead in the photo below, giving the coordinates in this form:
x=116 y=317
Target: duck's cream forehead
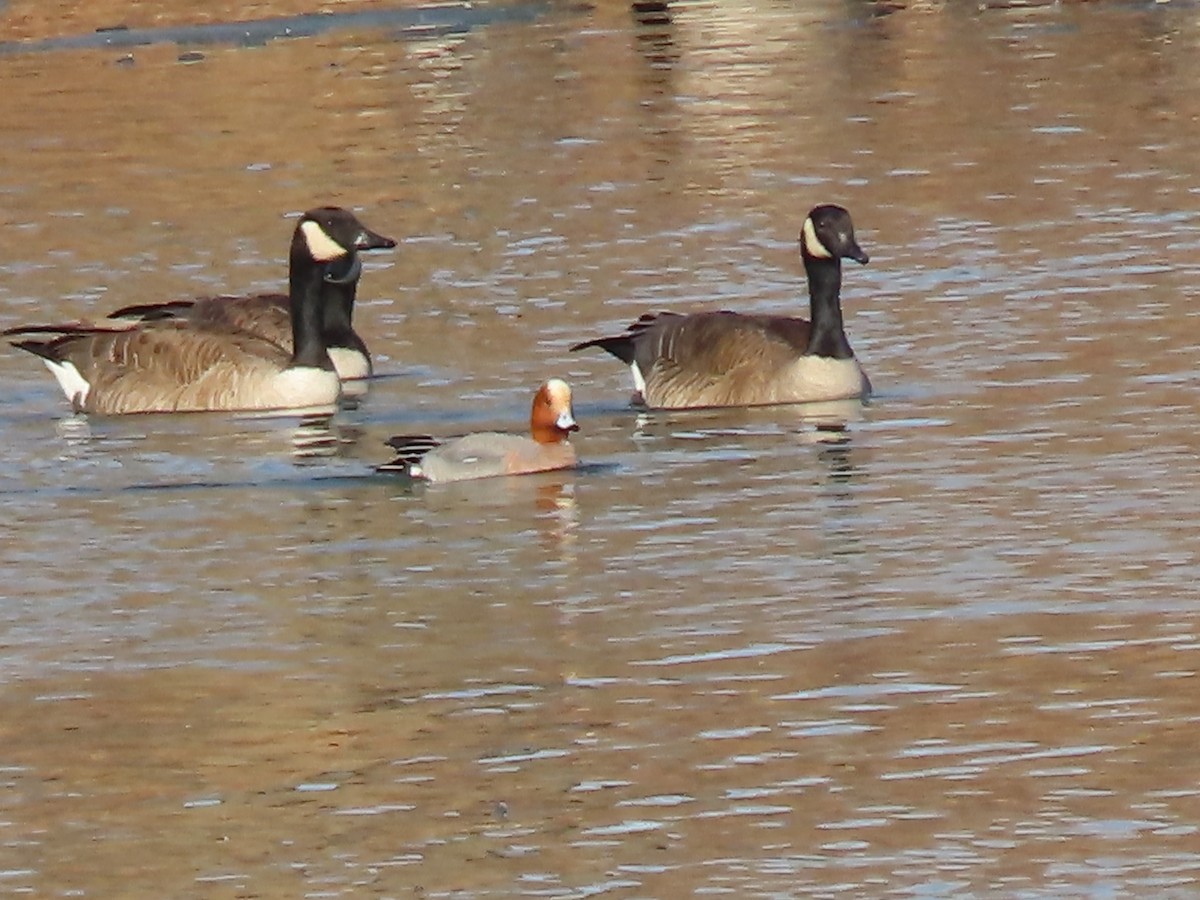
x=321 y=246
x=558 y=391
x=812 y=243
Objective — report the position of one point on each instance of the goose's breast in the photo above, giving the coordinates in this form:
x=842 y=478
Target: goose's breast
x=812 y=378
x=302 y=386
x=247 y=388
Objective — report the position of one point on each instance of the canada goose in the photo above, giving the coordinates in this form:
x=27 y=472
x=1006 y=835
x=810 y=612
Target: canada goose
x=486 y=454
x=173 y=366
x=734 y=359
x=268 y=316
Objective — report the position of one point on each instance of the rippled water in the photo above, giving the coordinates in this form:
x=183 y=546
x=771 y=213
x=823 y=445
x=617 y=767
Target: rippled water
x=941 y=644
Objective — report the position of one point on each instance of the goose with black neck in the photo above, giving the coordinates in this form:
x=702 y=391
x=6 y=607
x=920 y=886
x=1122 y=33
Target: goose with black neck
x=171 y=365
x=723 y=358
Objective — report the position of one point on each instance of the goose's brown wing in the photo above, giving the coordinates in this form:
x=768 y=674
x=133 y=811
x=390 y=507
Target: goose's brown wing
x=716 y=359
x=708 y=359
x=267 y=316
x=718 y=343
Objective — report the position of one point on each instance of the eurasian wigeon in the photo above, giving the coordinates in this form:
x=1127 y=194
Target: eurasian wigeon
x=488 y=454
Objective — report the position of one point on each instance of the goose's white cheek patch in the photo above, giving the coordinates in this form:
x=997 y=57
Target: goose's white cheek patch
x=812 y=243
x=321 y=246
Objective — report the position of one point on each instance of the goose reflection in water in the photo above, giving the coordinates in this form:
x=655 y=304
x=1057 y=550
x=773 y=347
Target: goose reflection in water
x=814 y=423
x=317 y=437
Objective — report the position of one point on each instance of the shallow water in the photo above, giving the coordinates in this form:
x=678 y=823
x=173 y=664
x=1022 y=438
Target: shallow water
x=941 y=644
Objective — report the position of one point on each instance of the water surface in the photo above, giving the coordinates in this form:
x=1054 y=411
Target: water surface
x=941 y=644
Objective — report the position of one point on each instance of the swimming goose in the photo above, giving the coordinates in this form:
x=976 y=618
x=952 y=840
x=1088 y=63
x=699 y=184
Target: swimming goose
x=174 y=366
x=487 y=454
x=267 y=316
x=734 y=359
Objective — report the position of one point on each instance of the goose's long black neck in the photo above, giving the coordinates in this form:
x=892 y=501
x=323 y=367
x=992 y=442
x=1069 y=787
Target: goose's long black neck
x=306 y=289
x=337 y=313
x=827 y=336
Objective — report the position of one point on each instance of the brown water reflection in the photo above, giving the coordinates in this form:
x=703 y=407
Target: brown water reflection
x=940 y=644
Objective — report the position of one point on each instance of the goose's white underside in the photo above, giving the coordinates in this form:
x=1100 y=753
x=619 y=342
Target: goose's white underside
x=639 y=382
x=73 y=384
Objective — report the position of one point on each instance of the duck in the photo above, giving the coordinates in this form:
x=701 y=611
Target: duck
x=491 y=454
x=172 y=365
x=723 y=358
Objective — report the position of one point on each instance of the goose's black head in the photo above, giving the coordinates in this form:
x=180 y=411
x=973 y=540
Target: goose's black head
x=828 y=233
x=331 y=237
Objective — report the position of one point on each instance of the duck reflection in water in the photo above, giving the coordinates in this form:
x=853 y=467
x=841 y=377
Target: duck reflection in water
x=545 y=503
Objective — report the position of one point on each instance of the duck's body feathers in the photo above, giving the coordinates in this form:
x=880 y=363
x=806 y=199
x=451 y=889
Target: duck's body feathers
x=483 y=454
